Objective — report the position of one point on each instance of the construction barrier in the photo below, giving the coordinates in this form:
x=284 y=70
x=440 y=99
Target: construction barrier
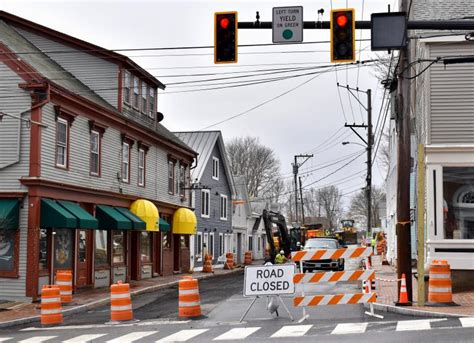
x=229 y=264
x=189 y=302
x=120 y=302
x=207 y=267
x=248 y=258
x=51 y=311
x=303 y=279
x=439 y=285
x=64 y=282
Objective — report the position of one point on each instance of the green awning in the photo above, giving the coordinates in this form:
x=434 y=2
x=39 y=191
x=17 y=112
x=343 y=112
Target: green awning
x=85 y=220
x=111 y=219
x=164 y=226
x=54 y=215
x=137 y=223
x=9 y=213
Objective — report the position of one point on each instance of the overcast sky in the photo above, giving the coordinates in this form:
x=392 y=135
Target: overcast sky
x=292 y=116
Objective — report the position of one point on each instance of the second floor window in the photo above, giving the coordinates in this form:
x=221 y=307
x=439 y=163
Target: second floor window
x=223 y=207
x=151 y=102
x=144 y=95
x=136 y=92
x=95 y=153
x=170 y=177
x=182 y=178
x=127 y=79
x=61 y=143
x=205 y=202
x=125 y=162
x=141 y=167
x=215 y=168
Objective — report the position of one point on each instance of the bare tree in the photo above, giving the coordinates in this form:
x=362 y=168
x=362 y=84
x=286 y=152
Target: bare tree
x=358 y=206
x=329 y=198
x=258 y=163
x=312 y=207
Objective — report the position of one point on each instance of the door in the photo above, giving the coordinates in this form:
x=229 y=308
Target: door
x=176 y=251
x=84 y=258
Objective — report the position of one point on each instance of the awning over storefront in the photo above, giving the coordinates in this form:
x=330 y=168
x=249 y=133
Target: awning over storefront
x=9 y=213
x=164 y=226
x=85 y=220
x=54 y=215
x=184 y=222
x=111 y=219
x=137 y=223
x=147 y=212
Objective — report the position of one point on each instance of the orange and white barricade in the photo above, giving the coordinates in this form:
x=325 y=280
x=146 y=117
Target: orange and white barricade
x=64 y=282
x=120 y=302
x=189 y=301
x=305 y=300
x=51 y=311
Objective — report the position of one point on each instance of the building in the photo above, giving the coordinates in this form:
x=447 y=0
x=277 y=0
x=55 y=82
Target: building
x=90 y=180
x=213 y=191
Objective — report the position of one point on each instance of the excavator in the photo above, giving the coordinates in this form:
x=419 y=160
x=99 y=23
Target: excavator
x=277 y=234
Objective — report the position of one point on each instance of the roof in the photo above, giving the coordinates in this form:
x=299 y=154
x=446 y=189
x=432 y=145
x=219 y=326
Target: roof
x=203 y=143
x=84 y=46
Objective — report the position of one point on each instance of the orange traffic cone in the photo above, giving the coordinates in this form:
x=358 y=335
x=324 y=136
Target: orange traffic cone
x=403 y=299
x=367 y=286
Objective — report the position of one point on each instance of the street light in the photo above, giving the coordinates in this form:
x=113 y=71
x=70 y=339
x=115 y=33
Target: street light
x=345 y=143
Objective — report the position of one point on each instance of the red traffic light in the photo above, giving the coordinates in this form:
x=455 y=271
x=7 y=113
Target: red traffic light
x=341 y=20
x=224 y=22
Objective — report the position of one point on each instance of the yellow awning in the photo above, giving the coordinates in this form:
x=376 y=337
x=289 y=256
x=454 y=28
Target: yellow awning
x=147 y=212
x=184 y=222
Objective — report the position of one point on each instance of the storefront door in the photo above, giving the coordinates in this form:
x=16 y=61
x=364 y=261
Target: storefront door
x=84 y=258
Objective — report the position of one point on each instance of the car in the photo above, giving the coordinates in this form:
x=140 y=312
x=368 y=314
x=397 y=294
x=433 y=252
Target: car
x=326 y=264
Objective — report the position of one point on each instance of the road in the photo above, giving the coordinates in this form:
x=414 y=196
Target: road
x=222 y=307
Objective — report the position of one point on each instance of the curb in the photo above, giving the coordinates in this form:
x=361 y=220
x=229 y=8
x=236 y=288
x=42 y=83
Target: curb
x=101 y=302
x=412 y=312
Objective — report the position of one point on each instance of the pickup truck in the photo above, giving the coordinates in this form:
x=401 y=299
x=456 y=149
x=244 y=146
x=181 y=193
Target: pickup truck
x=323 y=243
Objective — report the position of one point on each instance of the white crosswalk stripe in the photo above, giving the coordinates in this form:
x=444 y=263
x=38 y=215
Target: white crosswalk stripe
x=183 y=335
x=237 y=333
x=467 y=322
x=132 y=337
x=292 y=331
x=413 y=325
x=37 y=339
x=84 y=338
x=347 y=328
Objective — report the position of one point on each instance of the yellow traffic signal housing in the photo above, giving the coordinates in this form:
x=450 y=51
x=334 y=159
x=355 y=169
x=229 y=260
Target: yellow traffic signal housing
x=225 y=37
x=343 y=35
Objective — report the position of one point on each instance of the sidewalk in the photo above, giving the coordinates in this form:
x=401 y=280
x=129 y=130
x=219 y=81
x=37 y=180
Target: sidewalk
x=22 y=313
x=387 y=294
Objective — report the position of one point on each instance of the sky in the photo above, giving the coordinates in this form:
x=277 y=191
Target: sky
x=292 y=115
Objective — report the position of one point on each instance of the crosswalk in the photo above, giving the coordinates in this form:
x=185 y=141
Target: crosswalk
x=231 y=334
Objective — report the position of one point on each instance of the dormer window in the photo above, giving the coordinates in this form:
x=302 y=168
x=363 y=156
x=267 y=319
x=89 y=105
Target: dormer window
x=151 y=102
x=127 y=81
x=136 y=92
x=144 y=95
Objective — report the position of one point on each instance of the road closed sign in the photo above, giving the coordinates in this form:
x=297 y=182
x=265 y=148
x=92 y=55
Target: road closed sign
x=269 y=280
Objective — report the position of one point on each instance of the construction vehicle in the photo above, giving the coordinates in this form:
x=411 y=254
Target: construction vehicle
x=348 y=234
x=277 y=234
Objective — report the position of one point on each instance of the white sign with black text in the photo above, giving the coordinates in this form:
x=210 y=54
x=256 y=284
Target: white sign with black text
x=269 y=280
x=287 y=24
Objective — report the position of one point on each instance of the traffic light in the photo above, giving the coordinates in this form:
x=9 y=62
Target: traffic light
x=225 y=37
x=343 y=35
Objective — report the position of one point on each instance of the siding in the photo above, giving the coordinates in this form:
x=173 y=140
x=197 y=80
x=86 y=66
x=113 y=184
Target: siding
x=13 y=101
x=452 y=97
x=96 y=73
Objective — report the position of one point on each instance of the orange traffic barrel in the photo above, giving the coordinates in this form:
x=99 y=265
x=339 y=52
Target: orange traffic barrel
x=248 y=258
x=207 y=268
x=189 y=302
x=120 y=302
x=51 y=312
x=64 y=282
x=229 y=264
x=440 y=285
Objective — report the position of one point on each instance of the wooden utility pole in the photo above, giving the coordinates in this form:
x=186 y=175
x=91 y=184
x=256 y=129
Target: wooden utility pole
x=296 y=167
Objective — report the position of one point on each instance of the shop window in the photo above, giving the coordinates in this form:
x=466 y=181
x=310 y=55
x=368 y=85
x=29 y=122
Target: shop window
x=82 y=246
x=166 y=237
x=205 y=202
x=101 y=248
x=145 y=247
x=95 y=153
x=118 y=247
x=458 y=202
x=184 y=241
x=63 y=250
x=62 y=128
x=43 y=250
x=7 y=250
x=223 y=207
x=215 y=168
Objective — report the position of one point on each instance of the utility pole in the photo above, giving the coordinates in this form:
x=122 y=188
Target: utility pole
x=296 y=167
x=302 y=202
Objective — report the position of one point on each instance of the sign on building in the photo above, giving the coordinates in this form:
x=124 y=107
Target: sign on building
x=287 y=24
x=269 y=280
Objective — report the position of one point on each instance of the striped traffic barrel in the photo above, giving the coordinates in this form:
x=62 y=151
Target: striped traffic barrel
x=51 y=311
x=189 y=301
x=120 y=302
x=440 y=285
x=64 y=282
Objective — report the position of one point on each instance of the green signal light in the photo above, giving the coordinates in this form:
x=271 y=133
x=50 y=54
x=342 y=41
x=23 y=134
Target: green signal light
x=287 y=34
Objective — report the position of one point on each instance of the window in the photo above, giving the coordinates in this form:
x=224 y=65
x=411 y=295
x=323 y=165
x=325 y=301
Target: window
x=205 y=243
x=63 y=250
x=184 y=241
x=211 y=244
x=8 y=239
x=43 y=249
x=199 y=246
x=127 y=80
x=151 y=102
x=170 y=177
x=223 y=207
x=182 y=180
x=101 y=255
x=221 y=244
x=136 y=92
x=259 y=243
x=61 y=143
x=145 y=247
x=125 y=162
x=215 y=168
x=250 y=248
x=205 y=201
x=166 y=237
x=118 y=247
x=144 y=95
x=95 y=153
x=141 y=167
